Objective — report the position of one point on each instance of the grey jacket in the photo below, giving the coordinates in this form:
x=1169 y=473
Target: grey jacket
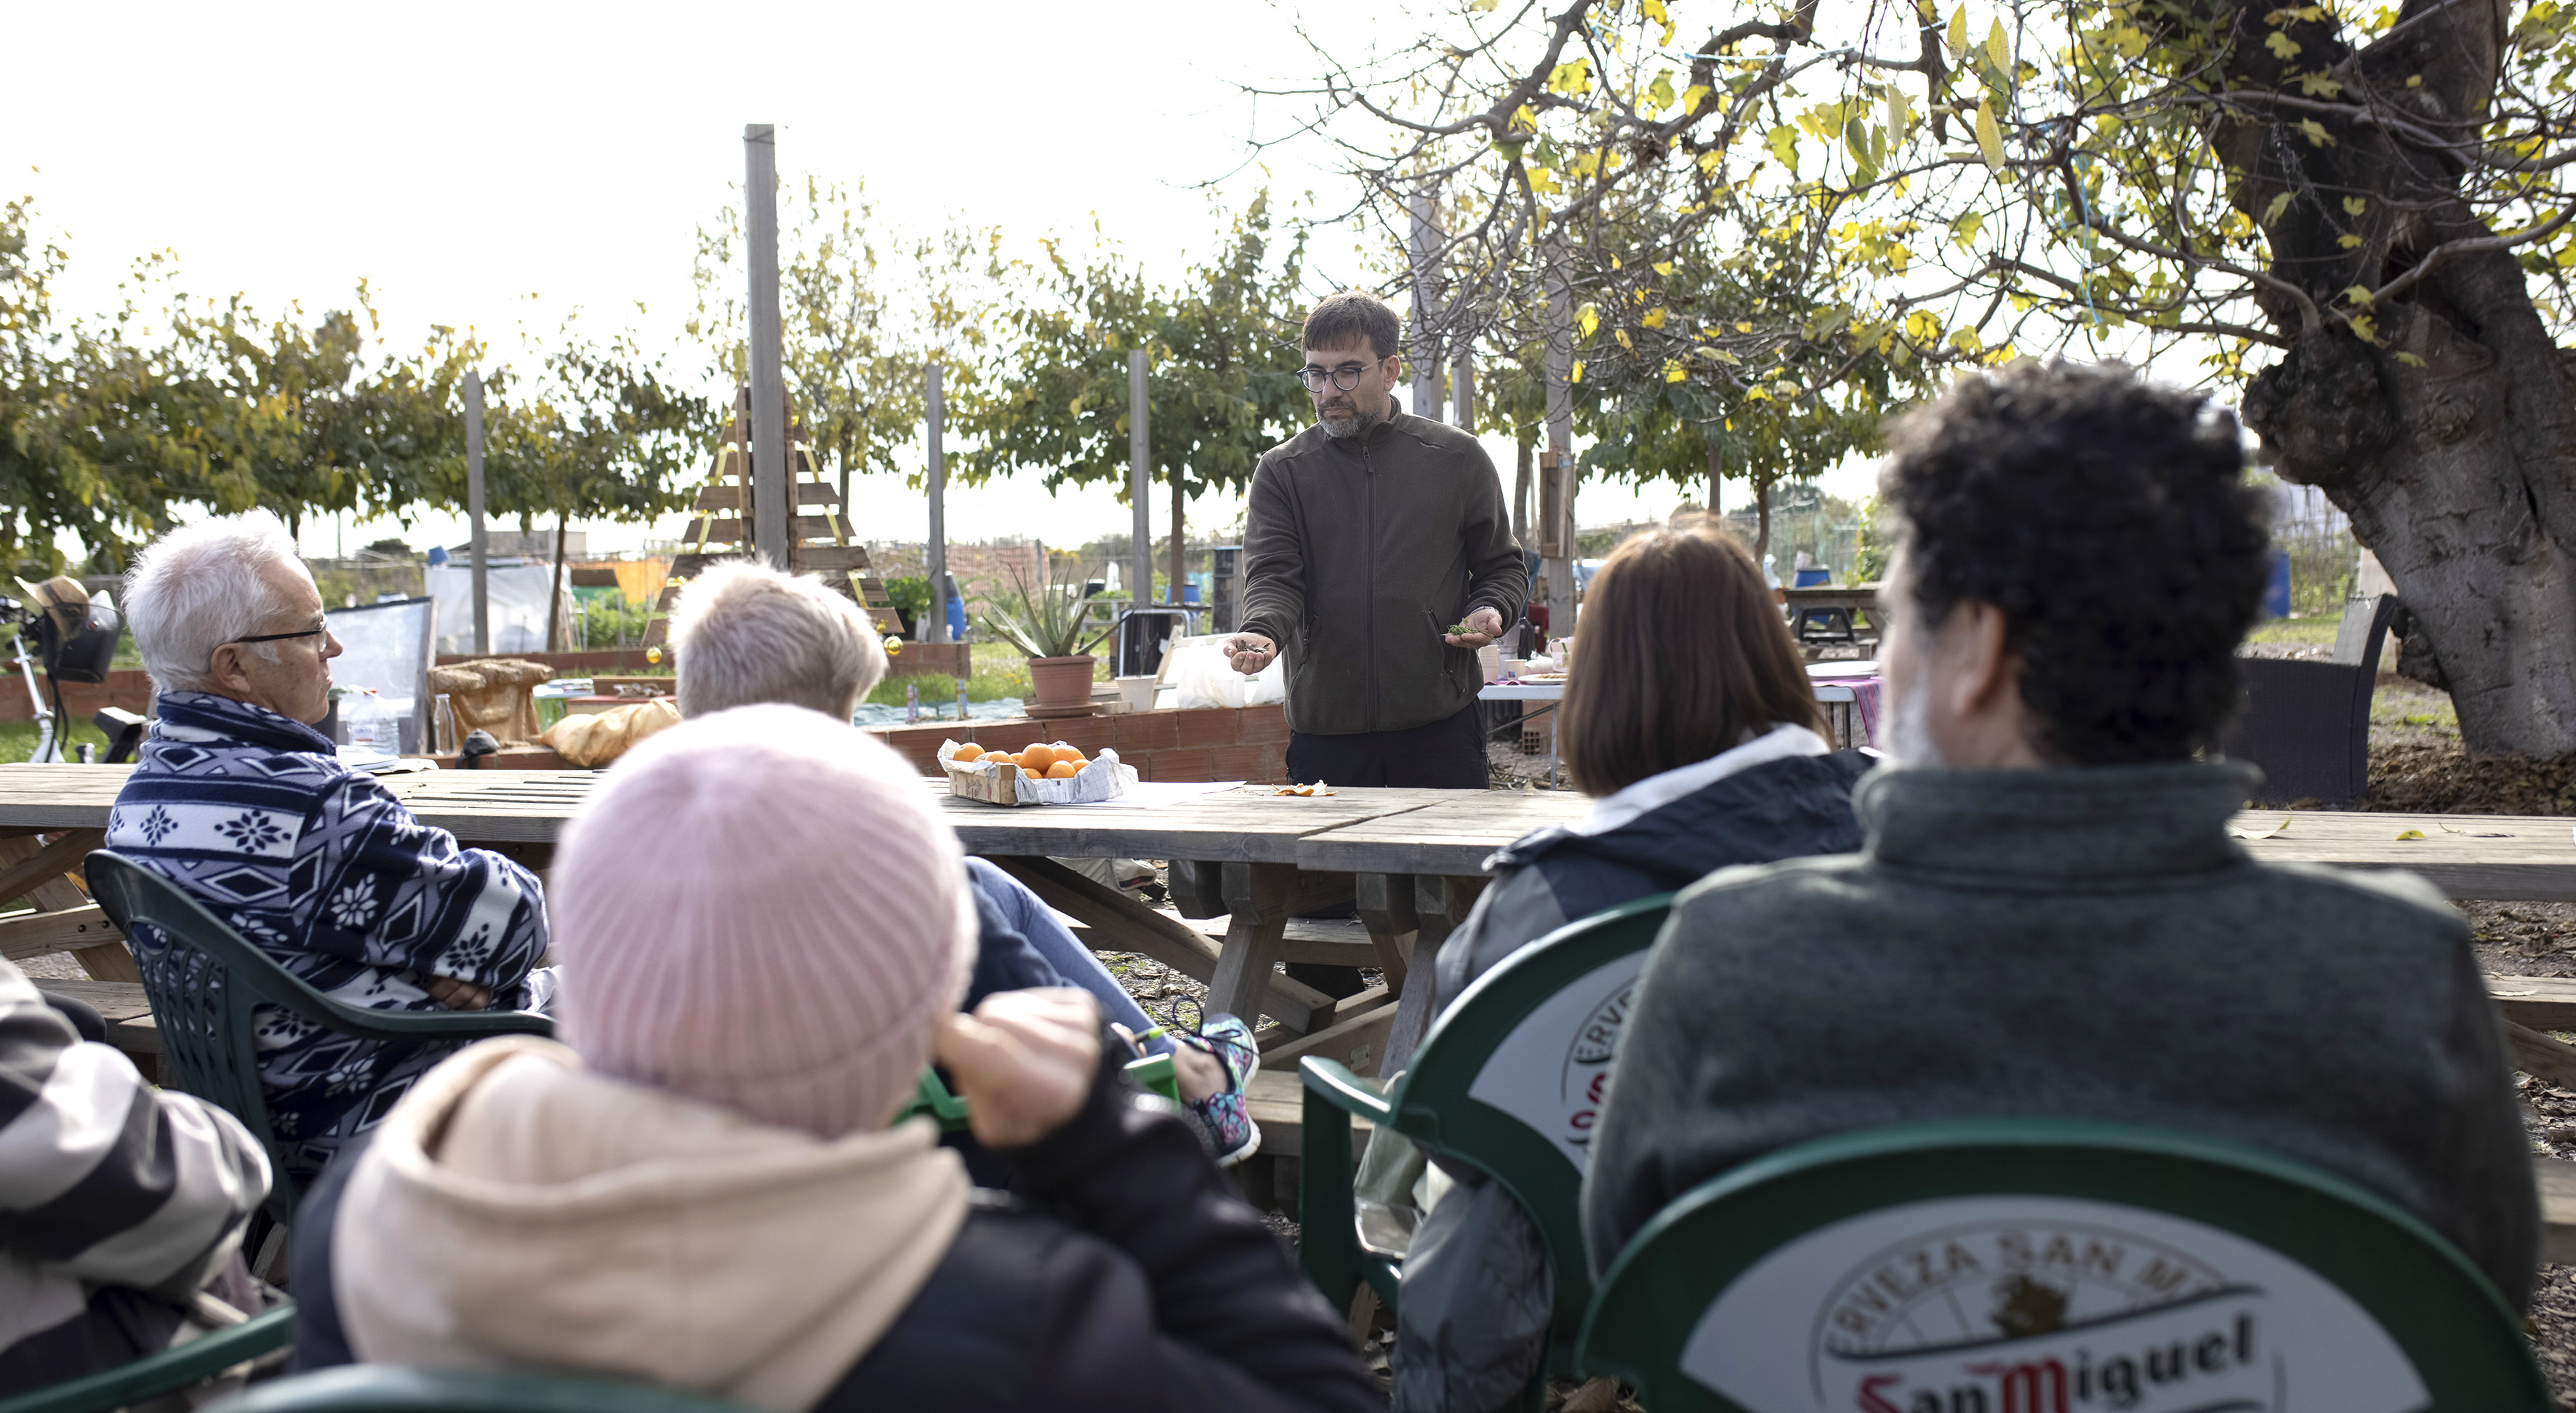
x=1359 y=554
x=2078 y=943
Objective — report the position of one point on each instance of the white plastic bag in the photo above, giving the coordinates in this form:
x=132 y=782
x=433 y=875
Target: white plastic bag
x=1203 y=677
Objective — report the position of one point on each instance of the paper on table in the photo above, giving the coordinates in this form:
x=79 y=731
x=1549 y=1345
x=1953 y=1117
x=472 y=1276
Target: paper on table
x=1150 y=793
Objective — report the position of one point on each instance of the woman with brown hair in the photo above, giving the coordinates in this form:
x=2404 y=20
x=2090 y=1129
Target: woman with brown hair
x=1689 y=719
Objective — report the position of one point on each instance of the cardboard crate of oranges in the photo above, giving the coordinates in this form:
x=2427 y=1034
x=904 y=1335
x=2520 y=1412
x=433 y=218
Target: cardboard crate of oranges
x=1055 y=774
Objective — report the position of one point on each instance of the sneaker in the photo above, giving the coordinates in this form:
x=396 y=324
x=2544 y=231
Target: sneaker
x=1231 y=1134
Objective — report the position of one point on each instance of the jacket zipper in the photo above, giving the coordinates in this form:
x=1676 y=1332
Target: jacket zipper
x=1368 y=467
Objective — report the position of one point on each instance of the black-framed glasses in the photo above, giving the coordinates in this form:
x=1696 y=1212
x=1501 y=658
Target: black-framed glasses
x=315 y=631
x=1345 y=377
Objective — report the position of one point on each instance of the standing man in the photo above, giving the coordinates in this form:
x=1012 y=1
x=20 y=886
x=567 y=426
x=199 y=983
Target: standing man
x=1372 y=535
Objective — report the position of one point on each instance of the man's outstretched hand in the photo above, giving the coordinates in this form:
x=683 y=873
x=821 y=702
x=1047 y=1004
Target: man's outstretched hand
x=1484 y=626
x=1251 y=652
x=1023 y=1062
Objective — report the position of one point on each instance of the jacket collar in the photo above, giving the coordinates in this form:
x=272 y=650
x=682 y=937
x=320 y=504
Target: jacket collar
x=2052 y=830
x=206 y=714
x=1656 y=791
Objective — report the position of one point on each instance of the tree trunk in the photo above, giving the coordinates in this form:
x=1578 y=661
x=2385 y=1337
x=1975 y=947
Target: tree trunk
x=1528 y=448
x=2451 y=440
x=1716 y=470
x=1179 y=544
x=554 y=602
x=1762 y=523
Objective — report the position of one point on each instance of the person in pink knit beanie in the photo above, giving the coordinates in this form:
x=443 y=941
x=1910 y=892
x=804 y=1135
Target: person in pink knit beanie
x=766 y=930
x=724 y=956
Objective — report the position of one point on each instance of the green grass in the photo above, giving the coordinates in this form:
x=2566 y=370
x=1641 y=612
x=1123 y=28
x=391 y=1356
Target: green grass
x=2413 y=705
x=2316 y=628
x=18 y=741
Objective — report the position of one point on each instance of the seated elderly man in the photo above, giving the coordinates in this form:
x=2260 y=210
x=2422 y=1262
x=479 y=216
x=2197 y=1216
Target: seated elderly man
x=746 y=634
x=239 y=800
x=2050 y=918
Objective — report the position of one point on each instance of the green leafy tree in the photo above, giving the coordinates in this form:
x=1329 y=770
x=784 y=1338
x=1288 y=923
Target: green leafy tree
x=2352 y=212
x=1221 y=380
x=854 y=357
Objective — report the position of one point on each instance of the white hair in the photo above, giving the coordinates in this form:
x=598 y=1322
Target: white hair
x=202 y=586
x=746 y=633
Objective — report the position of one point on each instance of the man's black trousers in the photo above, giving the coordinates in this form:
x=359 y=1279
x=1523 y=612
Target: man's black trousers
x=1446 y=755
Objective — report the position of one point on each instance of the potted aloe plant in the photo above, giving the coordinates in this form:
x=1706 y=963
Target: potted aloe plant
x=1048 y=621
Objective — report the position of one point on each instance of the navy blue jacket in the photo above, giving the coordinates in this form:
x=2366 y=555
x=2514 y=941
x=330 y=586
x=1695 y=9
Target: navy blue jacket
x=1780 y=809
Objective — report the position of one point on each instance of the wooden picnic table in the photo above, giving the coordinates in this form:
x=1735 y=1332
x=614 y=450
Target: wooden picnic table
x=1410 y=861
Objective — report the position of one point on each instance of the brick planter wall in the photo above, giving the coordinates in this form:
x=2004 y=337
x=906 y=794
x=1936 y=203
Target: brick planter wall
x=130 y=688
x=1201 y=743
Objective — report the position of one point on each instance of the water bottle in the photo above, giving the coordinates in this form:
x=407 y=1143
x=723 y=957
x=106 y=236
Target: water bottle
x=367 y=721
x=911 y=702
x=961 y=699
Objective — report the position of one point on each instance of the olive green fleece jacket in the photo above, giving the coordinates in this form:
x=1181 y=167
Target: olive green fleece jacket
x=1359 y=553
x=2077 y=944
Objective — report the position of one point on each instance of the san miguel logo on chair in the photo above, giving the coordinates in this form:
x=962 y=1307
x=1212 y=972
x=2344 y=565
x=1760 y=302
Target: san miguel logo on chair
x=1553 y=1070
x=2041 y=1305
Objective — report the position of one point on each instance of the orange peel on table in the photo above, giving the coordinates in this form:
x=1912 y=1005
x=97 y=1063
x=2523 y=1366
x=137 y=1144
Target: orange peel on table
x=1307 y=791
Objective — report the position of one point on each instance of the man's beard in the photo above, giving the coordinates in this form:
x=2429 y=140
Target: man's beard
x=1352 y=424
x=1909 y=728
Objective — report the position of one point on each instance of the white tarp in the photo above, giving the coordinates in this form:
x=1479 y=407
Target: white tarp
x=517 y=593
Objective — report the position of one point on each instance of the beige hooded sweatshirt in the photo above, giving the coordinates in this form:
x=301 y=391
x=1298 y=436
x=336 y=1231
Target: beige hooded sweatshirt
x=518 y=1213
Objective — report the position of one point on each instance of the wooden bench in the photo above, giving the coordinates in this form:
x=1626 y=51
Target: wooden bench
x=122 y=1004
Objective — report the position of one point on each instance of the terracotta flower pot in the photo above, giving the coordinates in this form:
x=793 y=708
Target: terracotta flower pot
x=1060 y=681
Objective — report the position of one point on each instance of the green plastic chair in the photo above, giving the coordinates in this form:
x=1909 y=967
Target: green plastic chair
x=2029 y=1265
x=387 y=1388
x=161 y=1373
x=1509 y=1081
x=204 y=984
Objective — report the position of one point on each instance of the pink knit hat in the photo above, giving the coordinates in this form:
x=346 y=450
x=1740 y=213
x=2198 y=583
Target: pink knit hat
x=761 y=908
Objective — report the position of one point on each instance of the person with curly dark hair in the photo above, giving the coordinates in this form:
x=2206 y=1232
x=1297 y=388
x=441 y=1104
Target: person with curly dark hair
x=2050 y=918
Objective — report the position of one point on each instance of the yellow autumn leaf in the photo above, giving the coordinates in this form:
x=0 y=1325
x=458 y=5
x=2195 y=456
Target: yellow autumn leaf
x=1743 y=326
x=2282 y=46
x=2316 y=133
x=1654 y=10
x=1664 y=268
x=2354 y=205
x=1654 y=318
x=1694 y=96
x=1624 y=341
x=1674 y=373
x=1577 y=375
x=1958 y=35
x=2410 y=833
x=2243 y=832
x=1999 y=49
x=2280 y=203
x=1586 y=319
x=1990 y=138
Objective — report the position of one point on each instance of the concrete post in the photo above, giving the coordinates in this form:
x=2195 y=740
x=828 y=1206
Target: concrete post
x=773 y=484
x=1424 y=335
x=474 y=509
x=935 y=414
x=1556 y=466
x=1140 y=480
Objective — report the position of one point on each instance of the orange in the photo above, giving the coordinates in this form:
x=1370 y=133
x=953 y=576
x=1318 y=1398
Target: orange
x=969 y=751
x=1038 y=756
x=1033 y=775
x=1062 y=770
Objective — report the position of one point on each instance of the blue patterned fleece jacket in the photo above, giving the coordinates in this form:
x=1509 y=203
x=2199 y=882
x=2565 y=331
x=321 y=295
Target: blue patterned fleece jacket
x=323 y=869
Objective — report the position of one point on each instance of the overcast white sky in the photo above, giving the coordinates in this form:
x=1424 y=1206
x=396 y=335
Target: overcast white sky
x=467 y=157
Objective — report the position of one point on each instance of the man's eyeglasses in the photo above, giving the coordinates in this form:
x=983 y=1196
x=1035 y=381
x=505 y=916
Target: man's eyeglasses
x=1345 y=377
x=315 y=631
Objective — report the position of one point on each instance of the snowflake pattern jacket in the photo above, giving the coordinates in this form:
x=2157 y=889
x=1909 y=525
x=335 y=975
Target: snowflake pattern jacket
x=322 y=868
